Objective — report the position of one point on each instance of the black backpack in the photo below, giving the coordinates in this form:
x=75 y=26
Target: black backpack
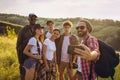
x=108 y=60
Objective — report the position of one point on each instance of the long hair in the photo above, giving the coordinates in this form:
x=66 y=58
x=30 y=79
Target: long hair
x=38 y=26
x=41 y=38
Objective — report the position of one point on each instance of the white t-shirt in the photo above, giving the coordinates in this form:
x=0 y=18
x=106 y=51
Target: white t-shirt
x=79 y=64
x=64 y=54
x=48 y=34
x=33 y=41
x=51 y=48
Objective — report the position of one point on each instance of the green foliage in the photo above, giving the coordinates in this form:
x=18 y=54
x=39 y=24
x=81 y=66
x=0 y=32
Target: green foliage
x=17 y=19
x=22 y=20
x=8 y=59
x=10 y=32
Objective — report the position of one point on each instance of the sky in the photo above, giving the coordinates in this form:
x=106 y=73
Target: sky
x=98 y=9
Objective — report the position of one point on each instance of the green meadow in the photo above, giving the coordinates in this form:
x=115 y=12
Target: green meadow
x=9 y=67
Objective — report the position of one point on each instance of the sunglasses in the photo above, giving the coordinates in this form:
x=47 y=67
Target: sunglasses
x=80 y=27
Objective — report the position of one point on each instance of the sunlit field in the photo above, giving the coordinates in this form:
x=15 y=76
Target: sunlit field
x=9 y=64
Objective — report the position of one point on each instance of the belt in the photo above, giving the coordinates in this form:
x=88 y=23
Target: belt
x=35 y=54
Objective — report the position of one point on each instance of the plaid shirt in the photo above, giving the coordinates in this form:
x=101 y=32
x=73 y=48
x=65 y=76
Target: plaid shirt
x=92 y=43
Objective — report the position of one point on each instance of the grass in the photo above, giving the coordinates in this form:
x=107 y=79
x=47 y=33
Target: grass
x=8 y=59
x=9 y=64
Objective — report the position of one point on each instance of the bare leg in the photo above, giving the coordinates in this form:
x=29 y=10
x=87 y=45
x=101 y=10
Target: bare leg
x=75 y=77
x=61 y=76
x=32 y=71
x=29 y=74
x=70 y=73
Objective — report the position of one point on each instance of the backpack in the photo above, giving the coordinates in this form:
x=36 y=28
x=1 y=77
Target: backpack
x=108 y=60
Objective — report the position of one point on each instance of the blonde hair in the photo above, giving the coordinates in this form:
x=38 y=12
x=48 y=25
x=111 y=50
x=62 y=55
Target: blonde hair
x=67 y=22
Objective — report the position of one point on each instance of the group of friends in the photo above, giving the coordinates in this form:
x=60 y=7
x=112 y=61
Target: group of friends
x=50 y=49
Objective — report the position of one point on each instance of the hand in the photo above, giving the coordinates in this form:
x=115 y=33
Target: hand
x=73 y=62
x=85 y=54
x=38 y=56
x=41 y=61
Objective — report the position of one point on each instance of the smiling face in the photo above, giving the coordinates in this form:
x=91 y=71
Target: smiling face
x=55 y=34
x=81 y=29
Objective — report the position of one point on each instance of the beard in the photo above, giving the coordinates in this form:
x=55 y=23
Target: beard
x=82 y=33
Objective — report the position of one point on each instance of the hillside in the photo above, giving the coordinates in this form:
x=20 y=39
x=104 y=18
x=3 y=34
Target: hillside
x=106 y=29
x=6 y=25
x=22 y=20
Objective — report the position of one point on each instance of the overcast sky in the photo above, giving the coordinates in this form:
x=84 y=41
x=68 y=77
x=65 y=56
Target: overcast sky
x=99 y=9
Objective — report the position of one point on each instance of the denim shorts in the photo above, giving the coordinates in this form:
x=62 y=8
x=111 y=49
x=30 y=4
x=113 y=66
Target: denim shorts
x=30 y=63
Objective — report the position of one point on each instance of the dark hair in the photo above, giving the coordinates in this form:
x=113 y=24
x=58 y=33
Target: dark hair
x=48 y=22
x=36 y=26
x=31 y=15
x=56 y=30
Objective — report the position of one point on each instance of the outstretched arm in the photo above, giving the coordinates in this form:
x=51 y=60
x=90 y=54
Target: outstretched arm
x=86 y=53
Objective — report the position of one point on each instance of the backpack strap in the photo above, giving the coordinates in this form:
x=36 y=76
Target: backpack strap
x=38 y=48
x=112 y=77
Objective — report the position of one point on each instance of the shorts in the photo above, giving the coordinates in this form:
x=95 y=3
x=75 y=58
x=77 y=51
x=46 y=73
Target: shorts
x=30 y=63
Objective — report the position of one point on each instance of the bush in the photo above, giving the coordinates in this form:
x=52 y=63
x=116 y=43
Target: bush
x=9 y=67
x=10 y=32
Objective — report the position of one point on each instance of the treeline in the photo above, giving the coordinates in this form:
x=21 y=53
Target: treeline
x=22 y=20
x=105 y=29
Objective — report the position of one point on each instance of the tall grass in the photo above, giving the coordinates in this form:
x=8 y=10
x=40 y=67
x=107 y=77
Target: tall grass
x=9 y=67
x=8 y=59
x=10 y=32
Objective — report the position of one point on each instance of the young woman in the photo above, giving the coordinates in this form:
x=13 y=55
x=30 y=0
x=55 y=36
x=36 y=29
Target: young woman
x=49 y=51
x=31 y=50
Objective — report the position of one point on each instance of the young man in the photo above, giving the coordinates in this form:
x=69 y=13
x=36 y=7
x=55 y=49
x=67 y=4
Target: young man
x=64 y=60
x=50 y=25
x=23 y=37
x=91 y=52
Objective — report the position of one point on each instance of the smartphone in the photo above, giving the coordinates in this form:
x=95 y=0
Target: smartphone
x=72 y=47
